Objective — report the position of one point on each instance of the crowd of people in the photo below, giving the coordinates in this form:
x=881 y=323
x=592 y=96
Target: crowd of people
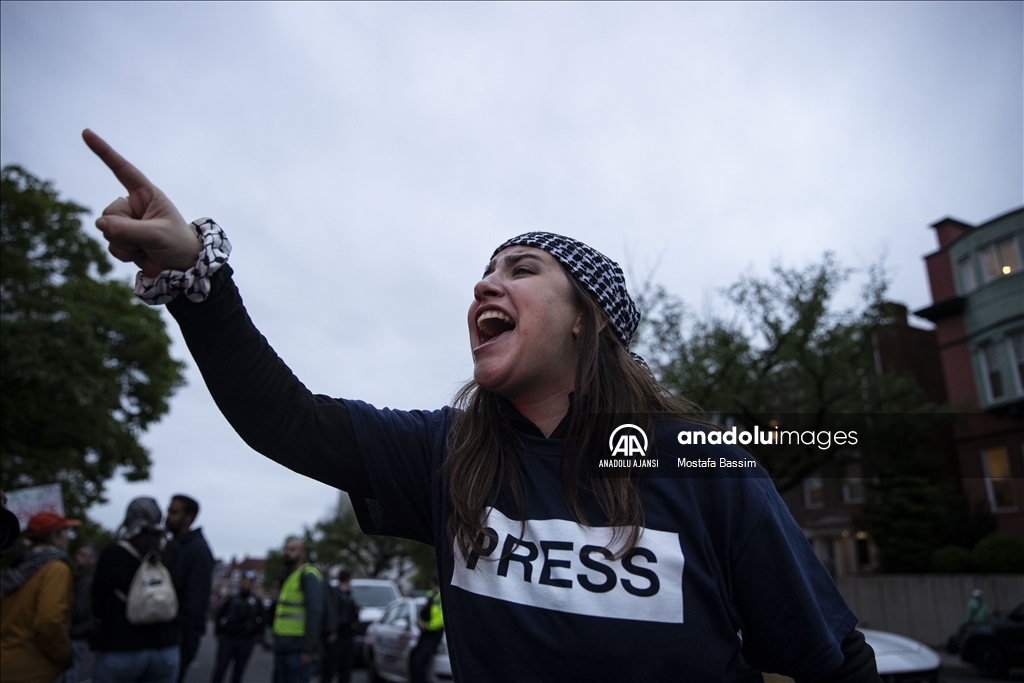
x=134 y=610
x=137 y=609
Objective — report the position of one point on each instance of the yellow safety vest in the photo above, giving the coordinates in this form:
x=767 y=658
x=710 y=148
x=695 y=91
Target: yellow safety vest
x=436 y=622
x=290 y=615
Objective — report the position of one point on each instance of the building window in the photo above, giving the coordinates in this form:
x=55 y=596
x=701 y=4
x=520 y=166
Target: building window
x=966 y=268
x=814 y=492
x=853 y=484
x=1015 y=340
x=863 y=550
x=1000 y=259
x=990 y=371
x=998 y=482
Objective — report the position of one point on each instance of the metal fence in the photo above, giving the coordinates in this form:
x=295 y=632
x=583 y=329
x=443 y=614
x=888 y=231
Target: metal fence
x=926 y=607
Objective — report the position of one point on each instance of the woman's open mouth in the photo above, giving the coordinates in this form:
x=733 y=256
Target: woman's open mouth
x=492 y=324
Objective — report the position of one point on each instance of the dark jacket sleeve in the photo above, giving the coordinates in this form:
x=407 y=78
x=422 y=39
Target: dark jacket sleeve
x=265 y=403
x=330 y=618
x=858 y=664
x=312 y=589
x=82 y=621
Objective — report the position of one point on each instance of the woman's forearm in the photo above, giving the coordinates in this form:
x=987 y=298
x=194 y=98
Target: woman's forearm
x=263 y=400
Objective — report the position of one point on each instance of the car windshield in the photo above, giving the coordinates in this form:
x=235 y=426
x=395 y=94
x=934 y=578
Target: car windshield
x=373 y=596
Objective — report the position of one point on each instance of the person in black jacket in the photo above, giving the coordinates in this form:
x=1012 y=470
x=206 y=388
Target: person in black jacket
x=239 y=622
x=193 y=578
x=124 y=651
x=341 y=618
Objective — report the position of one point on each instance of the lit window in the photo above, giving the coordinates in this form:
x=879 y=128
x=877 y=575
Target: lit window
x=1015 y=340
x=990 y=370
x=998 y=482
x=814 y=492
x=1000 y=259
x=853 y=484
x=966 y=268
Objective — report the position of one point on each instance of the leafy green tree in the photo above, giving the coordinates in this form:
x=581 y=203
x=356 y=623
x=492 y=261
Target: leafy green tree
x=915 y=505
x=273 y=571
x=84 y=366
x=999 y=554
x=780 y=351
x=778 y=347
x=340 y=541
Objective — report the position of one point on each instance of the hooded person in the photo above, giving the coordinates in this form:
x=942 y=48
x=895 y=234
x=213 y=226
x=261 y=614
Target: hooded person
x=125 y=651
x=977 y=610
x=548 y=569
x=36 y=597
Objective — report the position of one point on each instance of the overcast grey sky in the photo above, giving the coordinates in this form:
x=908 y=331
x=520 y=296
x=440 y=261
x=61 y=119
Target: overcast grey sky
x=365 y=159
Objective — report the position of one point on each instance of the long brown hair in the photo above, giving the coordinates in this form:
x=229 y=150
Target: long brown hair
x=482 y=459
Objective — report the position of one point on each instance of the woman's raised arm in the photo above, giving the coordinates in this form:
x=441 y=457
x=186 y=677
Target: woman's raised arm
x=259 y=395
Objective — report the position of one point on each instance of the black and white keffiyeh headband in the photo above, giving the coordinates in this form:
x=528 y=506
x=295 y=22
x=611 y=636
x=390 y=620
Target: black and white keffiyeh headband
x=598 y=274
x=143 y=513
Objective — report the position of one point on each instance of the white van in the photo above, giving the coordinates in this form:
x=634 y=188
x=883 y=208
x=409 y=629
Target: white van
x=372 y=596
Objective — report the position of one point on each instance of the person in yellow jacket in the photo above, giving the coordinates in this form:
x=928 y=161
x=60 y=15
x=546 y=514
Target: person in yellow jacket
x=431 y=623
x=297 y=617
x=36 y=605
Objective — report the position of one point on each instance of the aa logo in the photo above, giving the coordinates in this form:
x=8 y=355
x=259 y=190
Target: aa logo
x=626 y=440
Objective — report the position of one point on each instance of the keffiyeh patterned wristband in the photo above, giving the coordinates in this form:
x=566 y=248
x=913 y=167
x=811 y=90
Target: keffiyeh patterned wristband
x=194 y=283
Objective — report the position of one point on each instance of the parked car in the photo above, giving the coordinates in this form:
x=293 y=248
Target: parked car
x=994 y=646
x=371 y=596
x=902 y=660
x=390 y=640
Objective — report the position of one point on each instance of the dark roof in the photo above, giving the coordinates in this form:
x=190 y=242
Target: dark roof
x=970 y=228
x=942 y=309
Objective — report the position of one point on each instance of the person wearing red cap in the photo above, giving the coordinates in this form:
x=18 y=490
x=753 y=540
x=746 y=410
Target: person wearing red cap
x=36 y=593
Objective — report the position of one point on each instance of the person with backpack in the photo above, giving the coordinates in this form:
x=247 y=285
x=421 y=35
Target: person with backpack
x=240 y=621
x=133 y=599
x=36 y=595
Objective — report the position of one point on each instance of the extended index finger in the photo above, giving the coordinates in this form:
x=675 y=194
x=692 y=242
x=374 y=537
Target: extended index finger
x=131 y=177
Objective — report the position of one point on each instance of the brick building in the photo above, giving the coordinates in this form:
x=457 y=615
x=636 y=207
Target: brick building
x=977 y=288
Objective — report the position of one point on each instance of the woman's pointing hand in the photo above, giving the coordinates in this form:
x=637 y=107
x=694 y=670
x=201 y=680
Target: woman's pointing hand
x=144 y=227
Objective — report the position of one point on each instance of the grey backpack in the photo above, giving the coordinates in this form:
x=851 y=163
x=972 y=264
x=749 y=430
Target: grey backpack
x=151 y=598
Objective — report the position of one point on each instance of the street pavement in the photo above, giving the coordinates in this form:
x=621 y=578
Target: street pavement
x=260 y=667
x=955 y=671
x=258 y=670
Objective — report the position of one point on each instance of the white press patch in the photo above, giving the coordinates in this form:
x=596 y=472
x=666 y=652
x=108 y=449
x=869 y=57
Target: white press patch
x=560 y=565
